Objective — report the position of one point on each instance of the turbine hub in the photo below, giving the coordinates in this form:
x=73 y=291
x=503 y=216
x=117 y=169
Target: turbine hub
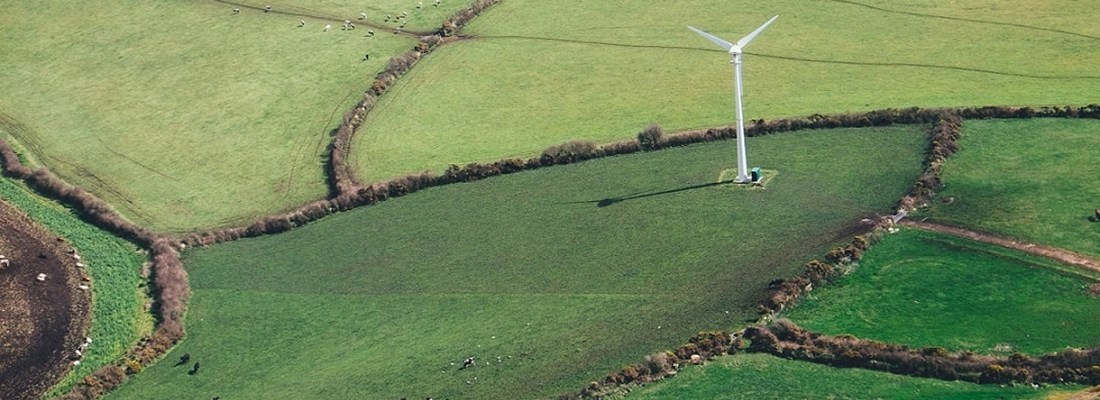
x=735 y=50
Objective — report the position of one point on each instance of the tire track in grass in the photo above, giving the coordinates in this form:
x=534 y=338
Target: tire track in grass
x=976 y=21
x=29 y=138
x=1058 y=254
x=138 y=163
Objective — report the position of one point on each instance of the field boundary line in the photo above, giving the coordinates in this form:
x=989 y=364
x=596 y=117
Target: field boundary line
x=1055 y=253
x=977 y=21
x=790 y=58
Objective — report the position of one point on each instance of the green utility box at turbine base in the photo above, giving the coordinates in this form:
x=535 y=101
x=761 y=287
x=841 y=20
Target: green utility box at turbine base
x=756 y=174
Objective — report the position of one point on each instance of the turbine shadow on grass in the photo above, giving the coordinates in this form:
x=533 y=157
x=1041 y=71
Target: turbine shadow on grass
x=641 y=195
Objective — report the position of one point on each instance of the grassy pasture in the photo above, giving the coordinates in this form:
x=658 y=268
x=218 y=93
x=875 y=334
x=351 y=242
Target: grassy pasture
x=118 y=295
x=926 y=289
x=1034 y=180
x=384 y=301
x=760 y=376
x=535 y=74
x=180 y=114
x=425 y=19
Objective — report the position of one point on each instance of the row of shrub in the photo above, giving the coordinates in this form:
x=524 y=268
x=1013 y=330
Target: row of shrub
x=838 y=262
x=944 y=143
x=784 y=292
x=342 y=177
x=701 y=347
x=460 y=18
x=170 y=286
x=348 y=193
x=787 y=340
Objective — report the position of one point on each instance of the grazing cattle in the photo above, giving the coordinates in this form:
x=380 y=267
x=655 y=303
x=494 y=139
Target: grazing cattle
x=468 y=363
x=194 y=369
x=1097 y=213
x=184 y=359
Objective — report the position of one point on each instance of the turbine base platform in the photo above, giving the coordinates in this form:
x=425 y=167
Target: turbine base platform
x=730 y=176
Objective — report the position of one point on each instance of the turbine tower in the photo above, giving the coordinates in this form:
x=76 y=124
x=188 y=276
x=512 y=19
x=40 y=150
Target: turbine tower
x=735 y=52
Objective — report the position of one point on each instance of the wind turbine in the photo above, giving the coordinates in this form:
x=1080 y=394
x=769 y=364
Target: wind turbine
x=735 y=51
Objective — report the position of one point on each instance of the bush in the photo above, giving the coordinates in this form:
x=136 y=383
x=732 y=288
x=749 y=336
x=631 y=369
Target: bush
x=651 y=138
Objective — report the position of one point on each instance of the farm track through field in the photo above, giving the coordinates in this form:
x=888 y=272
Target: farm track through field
x=131 y=159
x=307 y=13
x=789 y=58
x=1058 y=254
x=27 y=137
x=977 y=21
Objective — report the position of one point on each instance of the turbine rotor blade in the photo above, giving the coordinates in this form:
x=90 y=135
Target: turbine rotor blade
x=717 y=40
x=745 y=40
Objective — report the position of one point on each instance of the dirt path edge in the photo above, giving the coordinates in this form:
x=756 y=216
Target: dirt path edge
x=1058 y=254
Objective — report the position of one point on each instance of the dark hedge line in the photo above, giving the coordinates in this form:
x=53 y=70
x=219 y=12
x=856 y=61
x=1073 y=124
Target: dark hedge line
x=342 y=179
x=787 y=340
x=945 y=134
x=170 y=287
x=171 y=292
x=460 y=18
x=701 y=347
x=348 y=193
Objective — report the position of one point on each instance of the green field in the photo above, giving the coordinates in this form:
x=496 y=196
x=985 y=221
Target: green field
x=535 y=74
x=925 y=289
x=760 y=376
x=180 y=114
x=380 y=301
x=118 y=294
x=1033 y=179
x=425 y=19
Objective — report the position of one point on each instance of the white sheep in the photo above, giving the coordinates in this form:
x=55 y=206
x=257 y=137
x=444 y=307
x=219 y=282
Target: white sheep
x=41 y=277
x=327 y=27
x=437 y=3
x=236 y=11
x=420 y=4
x=362 y=15
x=301 y=23
x=267 y=8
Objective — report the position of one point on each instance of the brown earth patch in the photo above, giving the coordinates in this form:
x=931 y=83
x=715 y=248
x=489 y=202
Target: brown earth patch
x=42 y=323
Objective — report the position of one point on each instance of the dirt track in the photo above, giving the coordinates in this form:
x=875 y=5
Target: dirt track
x=1062 y=255
x=41 y=323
